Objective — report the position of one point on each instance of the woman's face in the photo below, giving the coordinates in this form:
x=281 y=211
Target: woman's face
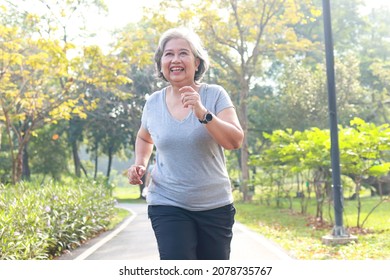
x=178 y=63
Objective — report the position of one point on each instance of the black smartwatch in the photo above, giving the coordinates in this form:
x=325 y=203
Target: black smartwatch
x=208 y=117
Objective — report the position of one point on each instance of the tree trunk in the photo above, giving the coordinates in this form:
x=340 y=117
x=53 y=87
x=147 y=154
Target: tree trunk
x=244 y=148
x=8 y=127
x=84 y=170
x=359 y=202
x=19 y=164
x=317 y=182
x=96 y=161
x=26 y=173
x=110 y=156
x=76 y=159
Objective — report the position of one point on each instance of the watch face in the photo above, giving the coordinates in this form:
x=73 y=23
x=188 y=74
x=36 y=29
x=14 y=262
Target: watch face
x=207 y=118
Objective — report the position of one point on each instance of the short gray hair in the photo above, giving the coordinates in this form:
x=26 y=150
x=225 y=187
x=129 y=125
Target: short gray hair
x=196 y=47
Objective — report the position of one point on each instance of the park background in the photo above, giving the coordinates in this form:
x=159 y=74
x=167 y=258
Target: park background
x=75 y=76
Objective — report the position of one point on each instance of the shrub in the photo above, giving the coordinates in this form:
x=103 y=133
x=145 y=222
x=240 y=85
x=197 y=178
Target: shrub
x=41 y=221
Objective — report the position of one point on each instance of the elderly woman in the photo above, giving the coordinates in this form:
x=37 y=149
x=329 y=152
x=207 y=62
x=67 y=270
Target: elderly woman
x=190 y=123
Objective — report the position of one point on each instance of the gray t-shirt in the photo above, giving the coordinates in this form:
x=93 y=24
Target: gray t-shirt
x=190 y=170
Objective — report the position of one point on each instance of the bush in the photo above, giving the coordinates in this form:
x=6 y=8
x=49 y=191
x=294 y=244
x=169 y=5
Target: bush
x=41 y=221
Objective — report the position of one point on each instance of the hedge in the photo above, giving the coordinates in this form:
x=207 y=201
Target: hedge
x=41 y=221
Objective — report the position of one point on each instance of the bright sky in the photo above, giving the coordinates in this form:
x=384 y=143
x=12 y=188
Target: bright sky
x=377 y=3
x=122 y=12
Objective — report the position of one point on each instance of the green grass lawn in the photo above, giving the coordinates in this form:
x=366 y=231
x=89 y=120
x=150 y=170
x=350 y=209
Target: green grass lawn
x=127 y=194
x=301 y=235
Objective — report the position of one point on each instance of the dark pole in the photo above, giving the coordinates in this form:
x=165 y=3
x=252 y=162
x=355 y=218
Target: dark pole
x=338 y=230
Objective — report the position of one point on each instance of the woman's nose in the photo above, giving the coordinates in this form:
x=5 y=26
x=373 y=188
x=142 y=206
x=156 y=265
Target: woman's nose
x=176 y=57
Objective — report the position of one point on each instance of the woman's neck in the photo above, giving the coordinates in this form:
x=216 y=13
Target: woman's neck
x=175 y=88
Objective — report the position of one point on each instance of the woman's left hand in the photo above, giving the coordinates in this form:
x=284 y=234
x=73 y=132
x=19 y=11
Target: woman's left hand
x=191 y=99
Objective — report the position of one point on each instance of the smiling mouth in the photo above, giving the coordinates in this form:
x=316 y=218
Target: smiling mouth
x=177 y=69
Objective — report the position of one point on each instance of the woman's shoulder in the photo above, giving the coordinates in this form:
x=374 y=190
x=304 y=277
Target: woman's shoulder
x=216 y=90
x=155 y=96
x=214 y=87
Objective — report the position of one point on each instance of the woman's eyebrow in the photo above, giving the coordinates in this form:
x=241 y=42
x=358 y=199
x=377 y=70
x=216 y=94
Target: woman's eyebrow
x=182 y=49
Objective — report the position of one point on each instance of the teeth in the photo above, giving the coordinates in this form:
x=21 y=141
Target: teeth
x=176 y=69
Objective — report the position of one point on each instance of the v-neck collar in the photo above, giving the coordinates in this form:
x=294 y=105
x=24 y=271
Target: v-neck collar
x=169 y=112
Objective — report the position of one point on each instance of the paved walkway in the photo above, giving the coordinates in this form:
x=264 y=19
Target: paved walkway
x=134 y=239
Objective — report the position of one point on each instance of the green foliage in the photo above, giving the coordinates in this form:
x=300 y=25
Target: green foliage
x=5 y=163
x=48 y=153
x=41 y=221
x=363 y=147
x=45 y=80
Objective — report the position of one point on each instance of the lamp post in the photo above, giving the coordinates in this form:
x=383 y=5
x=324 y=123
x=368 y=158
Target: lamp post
x=339 y=234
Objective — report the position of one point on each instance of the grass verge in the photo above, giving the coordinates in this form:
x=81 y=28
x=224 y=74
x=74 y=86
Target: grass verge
x=301 y=235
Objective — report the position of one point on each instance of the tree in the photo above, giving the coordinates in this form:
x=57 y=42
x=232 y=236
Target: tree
x=29 y=97
x=292 y=153
x=302 y=93
x=361 y=153
x=41 y=85
x=55 y=20
x=374 y=52
x=241 y=37
x=109 y=127
x=363 y=148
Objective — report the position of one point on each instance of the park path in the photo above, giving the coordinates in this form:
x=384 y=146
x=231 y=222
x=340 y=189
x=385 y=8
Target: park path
x=134 y=239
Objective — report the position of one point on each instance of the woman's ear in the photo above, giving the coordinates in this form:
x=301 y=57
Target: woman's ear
x=197 y=63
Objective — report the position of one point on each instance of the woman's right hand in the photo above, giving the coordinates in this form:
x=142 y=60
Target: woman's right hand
x=135 y=173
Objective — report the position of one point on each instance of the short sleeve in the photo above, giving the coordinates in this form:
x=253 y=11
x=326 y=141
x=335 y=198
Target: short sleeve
x=223 y=101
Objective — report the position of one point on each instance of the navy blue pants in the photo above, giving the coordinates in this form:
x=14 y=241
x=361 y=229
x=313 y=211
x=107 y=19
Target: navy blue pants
x=192 y=235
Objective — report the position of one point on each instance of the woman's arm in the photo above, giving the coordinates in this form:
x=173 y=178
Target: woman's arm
x=143 y=150
x=226 y=129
